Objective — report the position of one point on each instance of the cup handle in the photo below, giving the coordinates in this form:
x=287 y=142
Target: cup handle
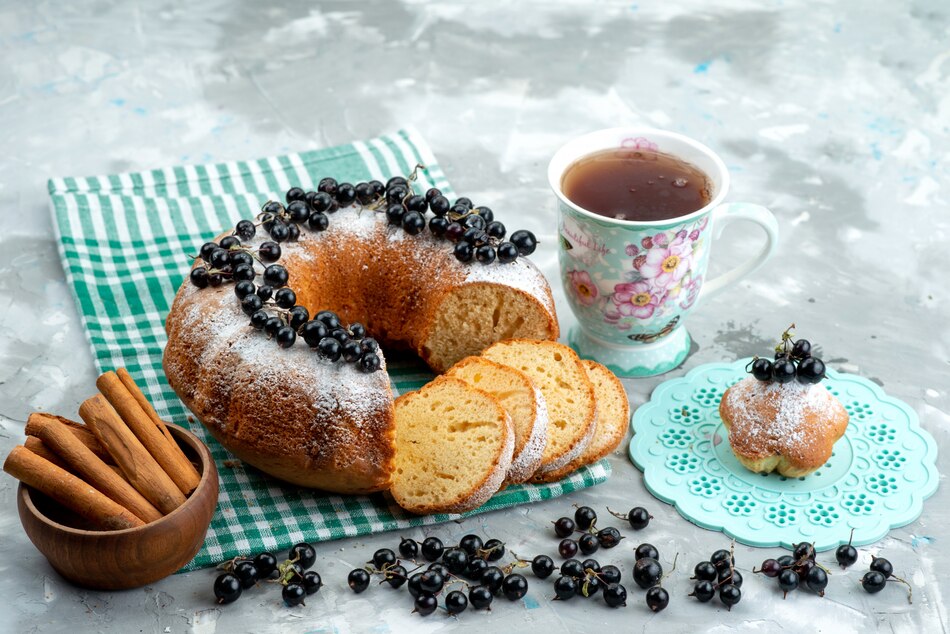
x=728 y=213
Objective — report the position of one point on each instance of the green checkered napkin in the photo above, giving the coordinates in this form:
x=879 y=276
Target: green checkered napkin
x=124 y=240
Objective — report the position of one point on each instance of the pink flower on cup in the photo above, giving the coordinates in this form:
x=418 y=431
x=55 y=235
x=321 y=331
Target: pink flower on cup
x=694 y=235
x=632 y=250
x=584 y=287
x=647 y=242
x=666 y=265
x=637 y=299
x=660 y=240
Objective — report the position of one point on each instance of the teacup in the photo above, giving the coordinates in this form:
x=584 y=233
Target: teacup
x=631 y=284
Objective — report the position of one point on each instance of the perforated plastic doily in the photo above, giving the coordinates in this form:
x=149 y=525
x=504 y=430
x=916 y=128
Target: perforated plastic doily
x=878 y=476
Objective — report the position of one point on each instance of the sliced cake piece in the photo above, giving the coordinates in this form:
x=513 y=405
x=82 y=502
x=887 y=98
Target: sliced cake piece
x=557 y=371
x=613 y=418
x=521 y=399
x=453 y=447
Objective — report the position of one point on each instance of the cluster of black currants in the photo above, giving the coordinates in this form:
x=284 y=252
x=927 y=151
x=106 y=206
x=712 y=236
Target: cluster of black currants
x=472 y=560
x=293 y=574
x=591 y=539
x=648 y=574
x=797 y=570
x=879 y=572
x=718 y=574
x=584 y=579
x=230 y=260
x=793 y=360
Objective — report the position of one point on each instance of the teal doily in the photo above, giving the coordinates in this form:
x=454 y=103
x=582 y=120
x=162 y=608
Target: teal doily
x=877 y=479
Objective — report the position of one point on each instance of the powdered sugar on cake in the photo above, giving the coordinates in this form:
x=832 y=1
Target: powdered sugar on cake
x=759 y=432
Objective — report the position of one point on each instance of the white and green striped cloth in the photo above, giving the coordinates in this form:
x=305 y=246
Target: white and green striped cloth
x=125 y=239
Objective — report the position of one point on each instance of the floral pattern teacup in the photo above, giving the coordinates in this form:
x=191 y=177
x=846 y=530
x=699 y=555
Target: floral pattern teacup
x=631 y=284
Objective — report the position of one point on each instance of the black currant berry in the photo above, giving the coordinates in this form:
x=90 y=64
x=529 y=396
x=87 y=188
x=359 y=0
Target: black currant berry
x=817 y=580
x=439 y=205
x=473 y=221
x=615 y=595
x=507 y=252
x=303 y=555
x=299 y=210
x=455 y=602
x=245 y=230
x=266 y=565
x=425 y=604
x=408 y=548
x=647 y=572
x=358 y=580
x=294 y=594
x=227 y=588
x=846 y=555
x=783 y=370
x=413 y=223
x=525 y=241
x=573 y=568
x=802 y=551
x=298 y=317
x=285 y=297
x=246 y=572
x=609 y=574
x=485 y=254
x=220 y=258
x=567 y=548
x=722 y=559
x=383 y=557
x=565 y=588
x=276 y=275
x=705 y=571
x=881 y=565
x=318 y=221
x=432 y=548
x=514 y=587
x=730 y=595
x=492 y=578
x=328 y=318
x=352 y=351
x=370 y=362
x=431 y=581
x=464 y=252
x=312 y=332
x=564 y=527
x=609 y=537
x=286 y=336
x=493 y=550
x=259 y=318
x=485 y=213
x=762 y=369
x=585 y=517
x=330 y=349
x=703 y=591
x=456 y=560
x=395 y=576
x=199 y=276
x=243 y=273
x=206 y=250
x=345 y=194
x=279 y=231
x=873 y=581
x=646 y=551
x=542 y=566
x=657 y=598
x=588 y=543
x=811 y=370
x=788 y=581
x=480 y=597
x=475 y=568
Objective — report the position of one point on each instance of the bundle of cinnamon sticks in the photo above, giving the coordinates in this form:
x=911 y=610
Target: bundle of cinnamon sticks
x=120 y=469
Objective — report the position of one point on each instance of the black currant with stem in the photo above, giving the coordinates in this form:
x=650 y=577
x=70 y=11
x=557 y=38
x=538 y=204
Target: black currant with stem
x=638 y=517
x=846 y=554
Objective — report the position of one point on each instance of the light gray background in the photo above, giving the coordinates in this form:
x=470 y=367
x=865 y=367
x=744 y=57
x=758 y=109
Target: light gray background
x=833 y=114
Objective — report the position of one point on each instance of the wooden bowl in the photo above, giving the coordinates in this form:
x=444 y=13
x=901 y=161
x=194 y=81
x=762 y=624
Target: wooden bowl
x=129 y=558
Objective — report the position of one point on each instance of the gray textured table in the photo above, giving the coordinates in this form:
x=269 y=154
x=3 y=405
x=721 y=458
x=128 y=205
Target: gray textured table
x=834 y=115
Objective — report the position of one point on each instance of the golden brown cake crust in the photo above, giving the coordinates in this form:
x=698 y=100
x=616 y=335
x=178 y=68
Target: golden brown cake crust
x=790 y=428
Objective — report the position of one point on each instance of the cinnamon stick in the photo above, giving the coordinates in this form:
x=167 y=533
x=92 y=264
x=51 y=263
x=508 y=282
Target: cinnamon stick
x=68 y=490
x=36 y=445
x=85 y=464
x=178 y=468
x=138 y=465
x=79 y=430
x=146 y=406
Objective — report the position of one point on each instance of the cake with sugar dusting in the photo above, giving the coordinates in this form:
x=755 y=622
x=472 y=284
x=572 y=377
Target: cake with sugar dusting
x=283 y=362
x=786 y=427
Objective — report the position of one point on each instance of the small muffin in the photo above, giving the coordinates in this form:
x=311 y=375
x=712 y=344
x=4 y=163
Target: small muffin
x=787 y=427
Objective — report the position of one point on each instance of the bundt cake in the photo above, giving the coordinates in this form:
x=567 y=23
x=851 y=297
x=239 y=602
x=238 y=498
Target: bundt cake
x=303 y=413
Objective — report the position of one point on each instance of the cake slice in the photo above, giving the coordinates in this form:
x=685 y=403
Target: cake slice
x=613 y=418
x=453 y=447
x=524 y=403
x=557 y=371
